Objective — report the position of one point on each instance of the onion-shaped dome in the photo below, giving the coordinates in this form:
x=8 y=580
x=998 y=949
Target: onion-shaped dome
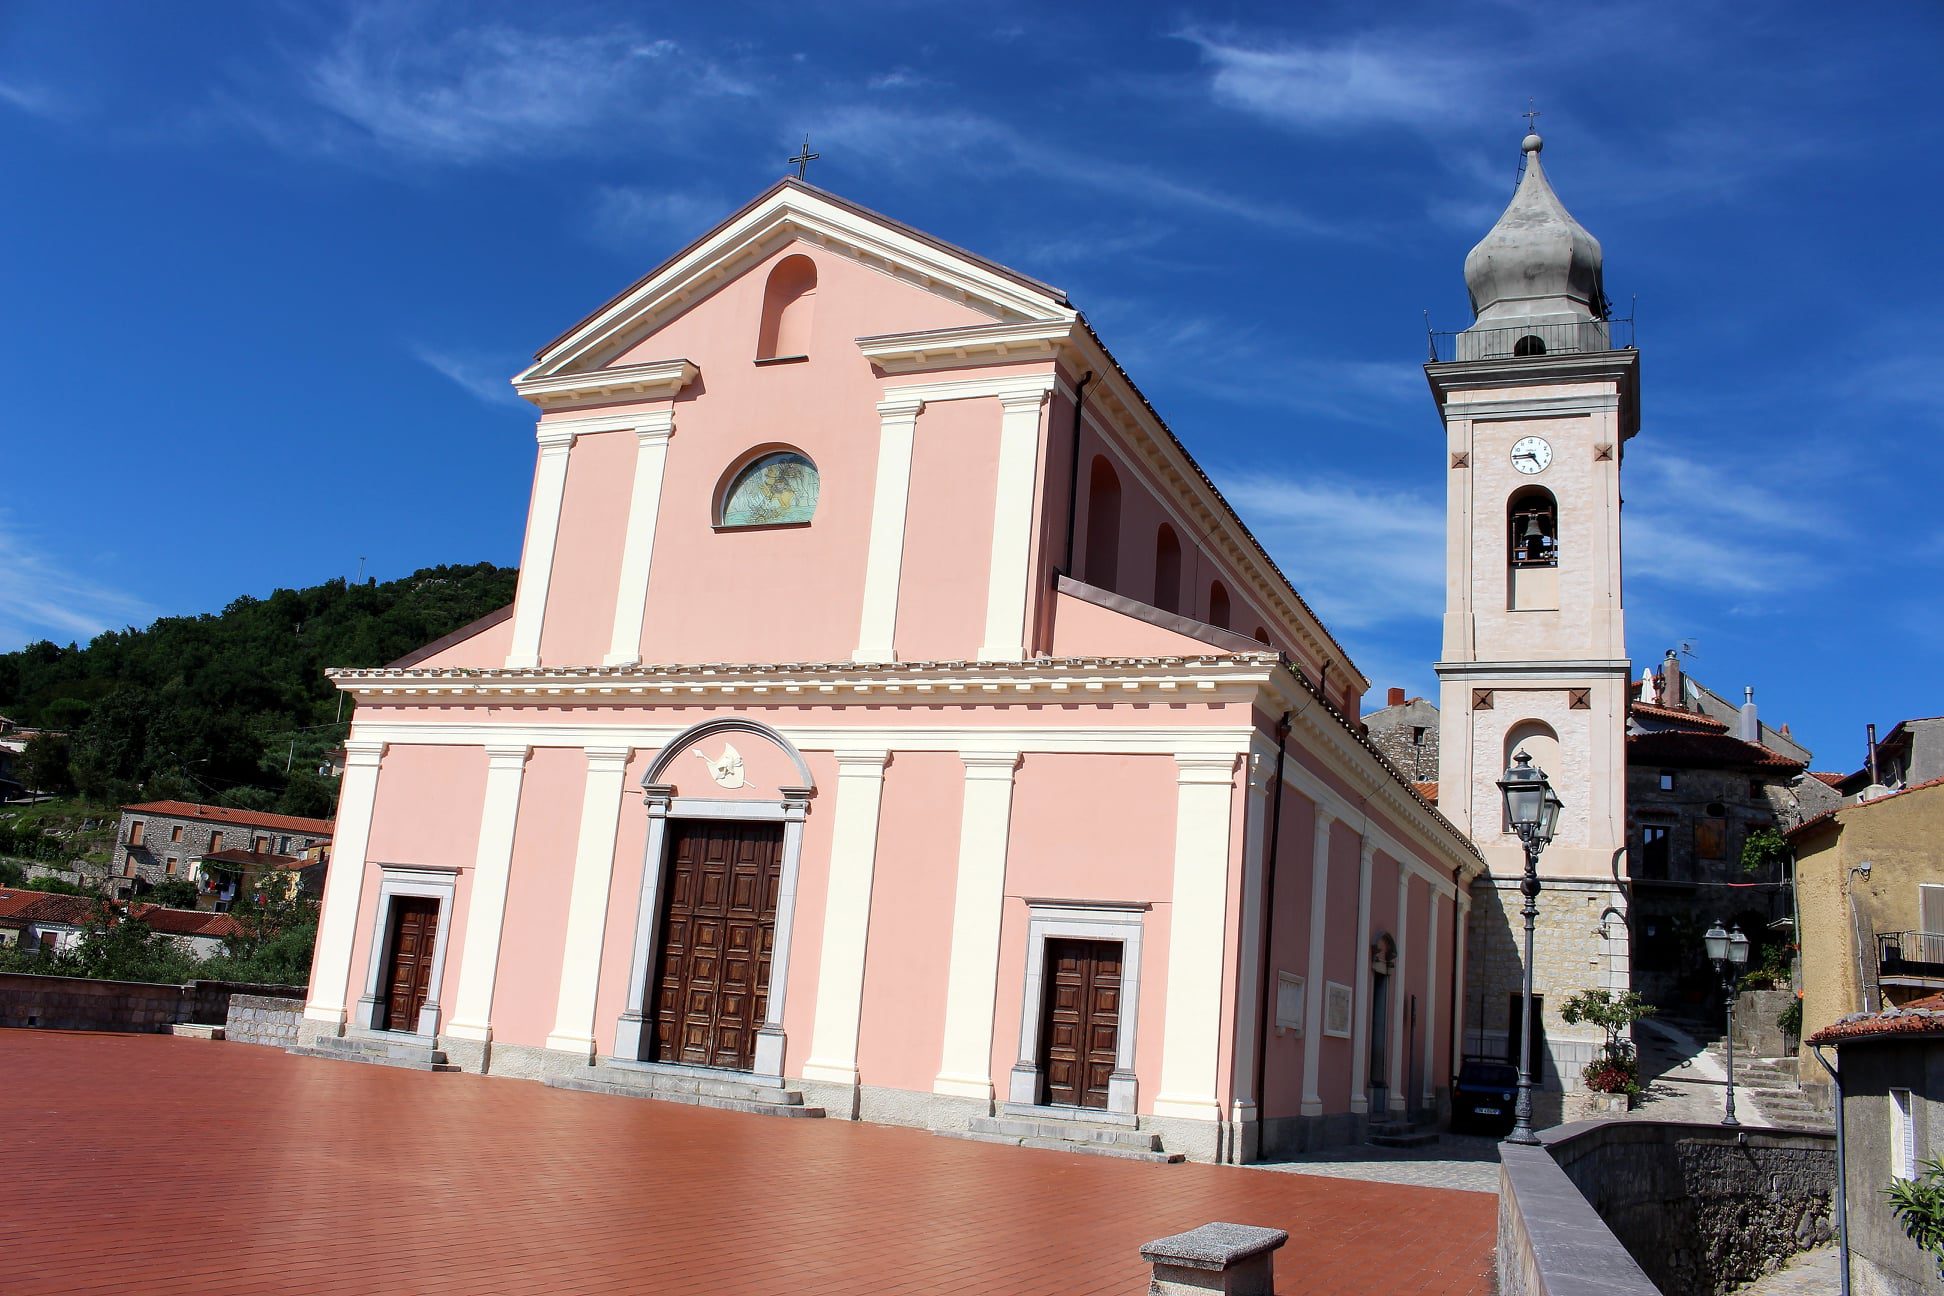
x=1538 y=261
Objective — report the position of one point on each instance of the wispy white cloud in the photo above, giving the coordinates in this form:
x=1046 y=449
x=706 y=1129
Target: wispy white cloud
x=1390 y=78
x=483 y=379
x=632 y=218
x=1704 y=528
x=901 y=78
x=1363 y=555
x=36 y=101
x=41 y=598
x=965 y=142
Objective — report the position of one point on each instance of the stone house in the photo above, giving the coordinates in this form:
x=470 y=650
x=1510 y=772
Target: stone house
x=1697 y=788
x=1870 y=895
x=158 y=840
x=1892 y=1069
x=42 y=920
x=1406 y=732
x=1912 y=752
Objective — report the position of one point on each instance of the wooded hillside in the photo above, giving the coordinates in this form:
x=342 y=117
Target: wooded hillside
x=215 y=707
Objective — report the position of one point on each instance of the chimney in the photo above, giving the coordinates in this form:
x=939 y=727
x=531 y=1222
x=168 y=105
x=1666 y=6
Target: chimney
x=1673 y=692
x=1396 y=696
x=1873 y=763
x=1751 y=725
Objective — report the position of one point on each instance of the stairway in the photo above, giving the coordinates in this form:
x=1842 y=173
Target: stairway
x=406 y=1051
x=1062 y=1135
x=697 y=1087
x=1399 y=1134
x=1771 y=1084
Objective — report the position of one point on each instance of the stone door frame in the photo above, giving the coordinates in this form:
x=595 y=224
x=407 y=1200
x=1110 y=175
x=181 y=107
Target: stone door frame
x=424 y=881
x=1080 y=920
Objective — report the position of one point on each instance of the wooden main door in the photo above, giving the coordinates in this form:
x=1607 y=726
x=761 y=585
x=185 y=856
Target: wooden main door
x=414 y=931
x=717 y=930
x=1080 y=1031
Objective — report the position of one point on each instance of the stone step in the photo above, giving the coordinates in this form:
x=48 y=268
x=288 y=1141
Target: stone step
x=1066 y=1131
x=1081 y=1146
x=698 y=1082
x=432 y=1061
x=406 y=1049
x=790 y=1104
x=193 y=1031
x=1414 y=1139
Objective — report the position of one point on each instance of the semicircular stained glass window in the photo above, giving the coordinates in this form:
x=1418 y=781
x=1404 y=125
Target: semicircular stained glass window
x=775 y=489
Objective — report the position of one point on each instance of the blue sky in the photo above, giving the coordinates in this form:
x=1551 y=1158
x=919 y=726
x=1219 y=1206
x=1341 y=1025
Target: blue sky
x=268 y=267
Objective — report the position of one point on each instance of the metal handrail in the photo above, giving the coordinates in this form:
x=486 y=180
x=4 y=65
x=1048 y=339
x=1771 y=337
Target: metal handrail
x=1911 y=949
x=1523 y=340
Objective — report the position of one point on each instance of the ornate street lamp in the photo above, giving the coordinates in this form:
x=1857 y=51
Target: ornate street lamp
x=1729 y=952
x=1532 y=811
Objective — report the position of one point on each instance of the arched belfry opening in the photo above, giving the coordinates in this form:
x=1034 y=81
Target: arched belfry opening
x=1529 y=345
x=1532 y=550
x=789 y=299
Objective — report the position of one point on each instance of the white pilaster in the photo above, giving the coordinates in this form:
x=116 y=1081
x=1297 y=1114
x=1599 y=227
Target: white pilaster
x=1313 y=989
x=337 y=921
x=847 y=917
x=1192 y=1029
x=1401 y=999
x=644 y=506
x=472 y=1014
x=965 y=1066
x=587 y=901
x=1464 y=943
x=1250 y=1006
x=1428 y=1018
x=884 y=561
x=536 y=559
x=1360 y=1024
x=1012 y=526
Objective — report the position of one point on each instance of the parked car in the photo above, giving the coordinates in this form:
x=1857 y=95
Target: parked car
x=1482 y=1096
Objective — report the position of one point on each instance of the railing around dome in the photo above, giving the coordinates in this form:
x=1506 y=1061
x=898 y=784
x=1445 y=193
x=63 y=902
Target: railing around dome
x=1522 y=340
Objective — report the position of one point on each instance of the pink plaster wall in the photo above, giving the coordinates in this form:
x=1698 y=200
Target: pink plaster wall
x=486 y=648
x=624 y=896
x=587 y=555
x=1083 y=629
x=901 y=1034
x=1289 y=952
x=1417 y=1061
x=1121 y=857
x=1340 y=959
x=526 y=991
x=426 y=812
x=948 y=532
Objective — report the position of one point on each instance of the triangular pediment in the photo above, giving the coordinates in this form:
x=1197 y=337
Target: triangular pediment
x=793 y=211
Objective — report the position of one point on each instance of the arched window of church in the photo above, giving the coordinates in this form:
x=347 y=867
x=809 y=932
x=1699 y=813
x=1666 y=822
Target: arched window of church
x=1532 y=519
x=1536 y=739
x=1103 y=524
x=1532 y=550
x=1167 y=570
x=788 y=300
x=776 y=488
x=1218 y=605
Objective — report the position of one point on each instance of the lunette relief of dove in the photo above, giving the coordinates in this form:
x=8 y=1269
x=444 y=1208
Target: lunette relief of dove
x=726 y=769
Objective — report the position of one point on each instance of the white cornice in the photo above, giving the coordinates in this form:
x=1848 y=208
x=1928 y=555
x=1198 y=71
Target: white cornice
x=899 y=353
x=786 y=214
x=656 y=380
x=1011 y=387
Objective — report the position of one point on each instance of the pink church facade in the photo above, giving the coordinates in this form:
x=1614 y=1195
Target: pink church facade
x=891 y=719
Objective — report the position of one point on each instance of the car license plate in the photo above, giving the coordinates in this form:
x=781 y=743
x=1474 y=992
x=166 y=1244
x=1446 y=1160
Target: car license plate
x=1490 y=1111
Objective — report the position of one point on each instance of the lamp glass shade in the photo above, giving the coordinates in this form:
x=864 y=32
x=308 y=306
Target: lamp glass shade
x=1524 y=789
x=1737 y=947
x=1717 y=939
x=1549 y=818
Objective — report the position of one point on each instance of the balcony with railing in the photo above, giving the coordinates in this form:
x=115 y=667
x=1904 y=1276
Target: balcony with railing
x=1910 y=958
x=1529 y=340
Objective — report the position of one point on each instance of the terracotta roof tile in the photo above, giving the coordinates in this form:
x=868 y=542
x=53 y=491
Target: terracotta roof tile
x=1694 y=718
x=1704 y=751
x=227 y=814
x=1920 y=1017
x=185 y=922
x=1428 y=789
x=1825 y=776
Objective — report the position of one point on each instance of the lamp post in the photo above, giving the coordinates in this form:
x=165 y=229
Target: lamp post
x=1532 y=810
x=1729 y=951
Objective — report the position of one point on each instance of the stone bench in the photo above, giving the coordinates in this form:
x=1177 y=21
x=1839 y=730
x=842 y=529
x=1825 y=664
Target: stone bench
x=1235 y=1259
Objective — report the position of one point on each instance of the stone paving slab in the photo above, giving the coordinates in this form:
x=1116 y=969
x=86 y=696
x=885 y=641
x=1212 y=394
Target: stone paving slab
x=1813 y=1273
x=244 y=1169
x=1460 y=1162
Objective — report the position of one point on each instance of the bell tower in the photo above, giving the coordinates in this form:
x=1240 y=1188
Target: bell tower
x=1538 y=403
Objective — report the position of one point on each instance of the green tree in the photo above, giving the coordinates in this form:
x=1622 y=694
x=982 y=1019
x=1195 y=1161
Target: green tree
x=173 y=893
x=277 y=928
x=1615 y=1070
x=1763 y=849
x=1919 y=1206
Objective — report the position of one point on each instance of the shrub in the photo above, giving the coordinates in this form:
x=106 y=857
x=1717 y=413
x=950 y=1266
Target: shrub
x=1615 y=1070
x=1790 y=1019
x=1919 y=1206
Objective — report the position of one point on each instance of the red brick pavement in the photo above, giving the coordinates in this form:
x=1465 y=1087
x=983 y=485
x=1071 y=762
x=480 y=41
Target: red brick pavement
x=140 y=1163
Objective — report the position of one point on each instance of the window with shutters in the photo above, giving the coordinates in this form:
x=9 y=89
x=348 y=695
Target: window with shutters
x=1903 y=1136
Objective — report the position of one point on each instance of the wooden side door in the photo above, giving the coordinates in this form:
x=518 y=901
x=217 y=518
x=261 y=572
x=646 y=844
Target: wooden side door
x=414 y=929
x=718 y=930
x=1080 y=1029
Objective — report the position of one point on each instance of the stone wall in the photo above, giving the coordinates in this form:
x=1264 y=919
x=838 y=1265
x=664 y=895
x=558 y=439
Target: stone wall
x=263 y=1019
x=1407 y=734
x=1756 y=1031
x=1702 y=1209
x=1550 y=1242
x=1579 y=943
x=199 y=837
x=79 y=1003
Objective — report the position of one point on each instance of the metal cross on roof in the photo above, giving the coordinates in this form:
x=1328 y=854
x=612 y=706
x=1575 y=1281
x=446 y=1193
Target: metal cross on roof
x=1531 y=114
x=803 y=160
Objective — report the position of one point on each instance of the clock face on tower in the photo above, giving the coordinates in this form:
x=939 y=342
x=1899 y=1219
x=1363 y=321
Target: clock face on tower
x=1531 y=454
